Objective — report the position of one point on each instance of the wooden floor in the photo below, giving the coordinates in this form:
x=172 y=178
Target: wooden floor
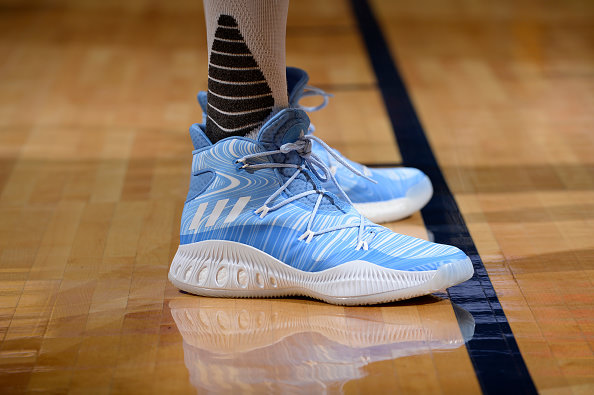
x=95 y=101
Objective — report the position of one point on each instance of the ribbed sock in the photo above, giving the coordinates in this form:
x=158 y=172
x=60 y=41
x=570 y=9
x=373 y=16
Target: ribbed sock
x=247 y=68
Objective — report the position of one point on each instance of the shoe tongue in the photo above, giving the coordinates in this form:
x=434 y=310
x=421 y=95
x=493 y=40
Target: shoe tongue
x=296 y=81
x=286 y=127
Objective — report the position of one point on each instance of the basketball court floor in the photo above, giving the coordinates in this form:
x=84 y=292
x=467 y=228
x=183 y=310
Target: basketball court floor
x=494 y=100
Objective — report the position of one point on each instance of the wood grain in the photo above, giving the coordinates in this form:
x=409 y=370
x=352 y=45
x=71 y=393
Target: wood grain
x=95 y=101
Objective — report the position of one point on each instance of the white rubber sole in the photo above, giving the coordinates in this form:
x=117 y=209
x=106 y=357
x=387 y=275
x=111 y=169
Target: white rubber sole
x=393 y=210
x=229 y=269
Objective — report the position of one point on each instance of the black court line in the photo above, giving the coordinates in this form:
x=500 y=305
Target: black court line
x=494 y=353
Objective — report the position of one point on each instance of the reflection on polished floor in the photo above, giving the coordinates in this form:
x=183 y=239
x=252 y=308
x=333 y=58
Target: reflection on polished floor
x=300 y=345
x=96 y=97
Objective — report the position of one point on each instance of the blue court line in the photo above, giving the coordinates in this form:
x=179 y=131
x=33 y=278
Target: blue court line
x=493 y=350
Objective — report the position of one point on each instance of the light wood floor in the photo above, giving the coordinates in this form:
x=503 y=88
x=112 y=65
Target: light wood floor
x=95 y=101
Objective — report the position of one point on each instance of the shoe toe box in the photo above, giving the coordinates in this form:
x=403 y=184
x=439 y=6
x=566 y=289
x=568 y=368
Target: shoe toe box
x=408 y=253
x=400 y=179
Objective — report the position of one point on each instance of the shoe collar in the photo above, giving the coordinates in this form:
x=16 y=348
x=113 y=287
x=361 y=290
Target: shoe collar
x=296 y=82
x=199 y=139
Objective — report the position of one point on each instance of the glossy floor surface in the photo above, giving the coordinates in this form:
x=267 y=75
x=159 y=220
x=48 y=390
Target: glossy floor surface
x=95 y=101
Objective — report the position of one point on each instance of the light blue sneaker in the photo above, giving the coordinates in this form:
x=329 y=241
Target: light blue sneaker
x=395 y=193
x=398 y=191
x=258 y=223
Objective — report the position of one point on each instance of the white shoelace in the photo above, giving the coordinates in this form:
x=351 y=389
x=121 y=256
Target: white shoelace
x=309 y=90
x=311 y=162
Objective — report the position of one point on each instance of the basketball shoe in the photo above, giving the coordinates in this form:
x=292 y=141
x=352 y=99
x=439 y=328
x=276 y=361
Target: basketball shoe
x=395 y=193
x=257 y=222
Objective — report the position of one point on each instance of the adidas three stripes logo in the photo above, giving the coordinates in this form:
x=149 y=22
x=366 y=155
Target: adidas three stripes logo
x=239 y=98
x=217 y=211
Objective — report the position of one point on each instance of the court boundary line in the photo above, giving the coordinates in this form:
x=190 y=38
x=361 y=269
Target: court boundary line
x=493 y=351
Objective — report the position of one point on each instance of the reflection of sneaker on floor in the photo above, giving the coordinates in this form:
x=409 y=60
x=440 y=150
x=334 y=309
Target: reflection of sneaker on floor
x=257 y=223
x=398 y=191
x=230 y=346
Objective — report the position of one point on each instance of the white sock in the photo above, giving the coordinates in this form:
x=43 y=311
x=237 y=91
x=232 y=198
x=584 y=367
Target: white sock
x=247 y=68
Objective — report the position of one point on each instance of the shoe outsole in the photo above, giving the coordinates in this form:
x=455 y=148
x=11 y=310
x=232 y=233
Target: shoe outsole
x=221 y=268
x=393 y=210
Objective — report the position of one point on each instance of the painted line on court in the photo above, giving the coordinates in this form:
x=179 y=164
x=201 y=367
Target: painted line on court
x=493 y=350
